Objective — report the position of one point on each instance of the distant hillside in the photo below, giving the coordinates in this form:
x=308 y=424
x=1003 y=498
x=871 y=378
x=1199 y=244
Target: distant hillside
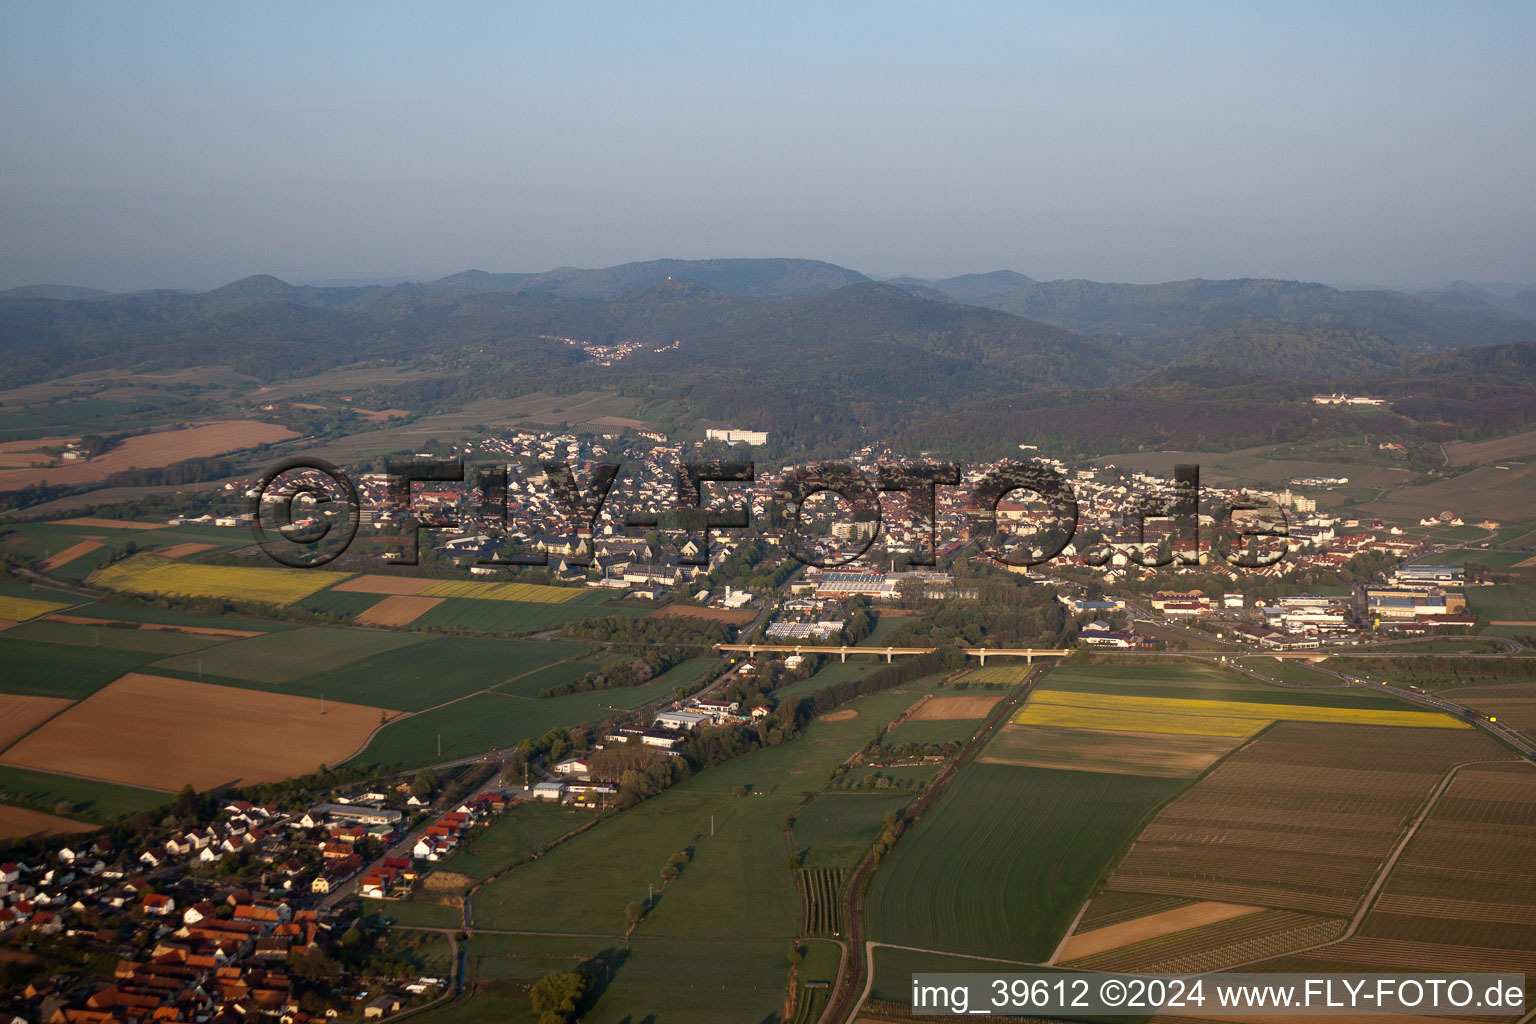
x=1267 y=348
x=973 y=289
x=1182 y=308
x=751 y=278
x=1507 y=363
x=66 y=292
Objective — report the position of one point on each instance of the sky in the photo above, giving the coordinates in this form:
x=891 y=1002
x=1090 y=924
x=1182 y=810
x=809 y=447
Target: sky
x=187 y=145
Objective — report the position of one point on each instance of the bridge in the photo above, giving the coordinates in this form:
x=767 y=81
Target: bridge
x=1029 y=654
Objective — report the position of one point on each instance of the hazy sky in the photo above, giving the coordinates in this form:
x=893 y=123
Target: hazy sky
x=185 y=145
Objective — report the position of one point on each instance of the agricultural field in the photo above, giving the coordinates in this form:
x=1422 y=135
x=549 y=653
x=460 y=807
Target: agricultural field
x=289 y=656
x=383 y=585
x=71 y=549
x=19 y=715
x=144 y=451
x=523 y=830
x=1294 y=672
x=338 y=604
x=1501 y=492
x=396 y=610
x=1085 y=943
x=832 y=672
x=155 y=618
x=820 y=967
x=717 y=934
x=46 y=668
x=1477 y=558
x=160 y=733
x=473 y=615
x=153 y=576
x=89 y=800
x=19 y=609
x=405 y=671
x=491 y=720
x=1504 y=602
x=1513 y=704
x=942 y=709
x=821 y=899
x=996 y=675
x=935 y=732
x=836 y=830
x=1463 y=895
x=21 y=823
x=502 y=967
x=1190 y=680
x=1299 y=820
x=1166 y=755
x=525 y=593
x=1043 y=837
x=1120 y=712
x=729 y=616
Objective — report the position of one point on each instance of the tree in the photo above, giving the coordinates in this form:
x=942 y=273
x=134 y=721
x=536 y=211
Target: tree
x=634 y=913
x=555 y=997
x=424 y=783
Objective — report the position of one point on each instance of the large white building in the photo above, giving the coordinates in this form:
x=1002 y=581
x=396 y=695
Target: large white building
x=731 y=436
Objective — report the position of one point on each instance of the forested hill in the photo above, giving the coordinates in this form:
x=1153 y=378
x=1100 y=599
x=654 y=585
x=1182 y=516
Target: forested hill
x=1189 y=308
x=819 y=356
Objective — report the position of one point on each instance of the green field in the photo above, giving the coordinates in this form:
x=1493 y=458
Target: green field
x=1289 y=671
x=512 y=836
x=836 y=830
x=343 y=604
x=425 y=915
x=1510 y=602
x=402 y=671
x=35 y=542
x=475 y=616
x=884 y=627
x=118 y=638
x=502 y=967
x=488 y=721
x=1481 y=558
x=99 y=802
x=1189 y=681
x=716 y=939
x=832 y=672
x=88 y=415
x=680 y=980
x=822 y=959
x=47 y=669
x=123 y=612
x=953 y=730
x=1035 y=842
x=291 y=656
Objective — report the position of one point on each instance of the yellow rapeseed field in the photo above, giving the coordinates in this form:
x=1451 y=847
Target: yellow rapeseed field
x=1109 y=720
x=533 y=593
x=19 y=608
x=147 y=574
x=1158 y=708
